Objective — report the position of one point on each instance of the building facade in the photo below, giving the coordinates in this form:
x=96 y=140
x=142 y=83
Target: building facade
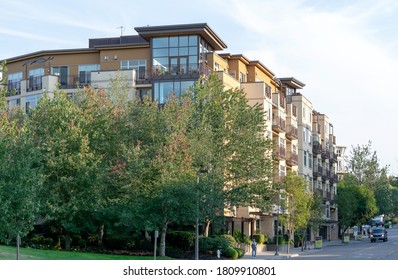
x=161 y=60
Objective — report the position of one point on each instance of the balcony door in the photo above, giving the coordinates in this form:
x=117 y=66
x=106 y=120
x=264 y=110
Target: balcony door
x=178 y=65
x=62 y=73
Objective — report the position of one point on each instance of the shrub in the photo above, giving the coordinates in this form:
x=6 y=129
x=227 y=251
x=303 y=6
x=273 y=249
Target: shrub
x=213 y=243
x=241 y=238
x=231 y=240
x=184 y=240
x=231 y=253
x=260 y=238
x=241 y=252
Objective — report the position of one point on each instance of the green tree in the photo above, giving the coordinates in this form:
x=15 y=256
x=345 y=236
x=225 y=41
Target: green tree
x=104 y=121
x=68 y=166
x=19 y=180
x=363 y=165
x=228 y=140
x=297 y=202
x=356 y=204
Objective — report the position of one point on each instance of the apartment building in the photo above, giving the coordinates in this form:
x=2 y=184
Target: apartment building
x=325 y=176
x=171 y=58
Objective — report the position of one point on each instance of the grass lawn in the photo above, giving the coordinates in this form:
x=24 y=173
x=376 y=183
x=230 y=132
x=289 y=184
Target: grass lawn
x=10 y=253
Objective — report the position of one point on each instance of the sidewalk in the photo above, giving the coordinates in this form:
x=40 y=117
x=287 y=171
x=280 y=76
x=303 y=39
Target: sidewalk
x=294 y=252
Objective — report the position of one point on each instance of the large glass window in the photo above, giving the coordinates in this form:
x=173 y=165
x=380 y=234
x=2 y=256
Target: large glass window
x=163 y=90
x=175 y=55
x=139 y=65
x=62 y=73
x=14 y=83
x=31 y=101
x=85 y=73
x=35 y=79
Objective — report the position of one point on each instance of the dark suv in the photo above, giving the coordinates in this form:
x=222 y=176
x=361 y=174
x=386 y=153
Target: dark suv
x=378 y=234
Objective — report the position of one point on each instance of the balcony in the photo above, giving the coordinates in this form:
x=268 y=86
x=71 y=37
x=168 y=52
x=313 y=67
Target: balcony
x=291 y=159
x=34 y=83
x=332 y=158
x=279 y=178
x=333 y=178
x=292 y=132
x=325 y=175
x=325 y=153
x=13 y=88
x=332 y=138
x=278 y=125
x=317 y=171
x=190 y=71
x=280 y=152
x=316 y=148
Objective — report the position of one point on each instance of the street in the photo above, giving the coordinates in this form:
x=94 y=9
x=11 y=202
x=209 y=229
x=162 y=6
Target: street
x=356 y=250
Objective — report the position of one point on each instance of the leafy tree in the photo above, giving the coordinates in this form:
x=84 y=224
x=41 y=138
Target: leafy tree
x=69 y=168
x=228 y=140
x=356 y=204
x=18 y=180
x=104 y=121
x=385 y=201
x=364 y=165
x=298 y=202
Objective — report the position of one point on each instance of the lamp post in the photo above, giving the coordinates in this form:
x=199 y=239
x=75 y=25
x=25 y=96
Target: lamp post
x=197 y=214
x=277 y=234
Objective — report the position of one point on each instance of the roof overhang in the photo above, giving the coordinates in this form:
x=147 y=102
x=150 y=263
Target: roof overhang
x=292 y=82
x=201 y=29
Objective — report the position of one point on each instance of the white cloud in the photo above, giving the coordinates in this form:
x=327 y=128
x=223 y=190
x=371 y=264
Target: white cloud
x=347 y=66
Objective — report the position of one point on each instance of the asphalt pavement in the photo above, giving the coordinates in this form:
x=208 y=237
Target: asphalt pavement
x=294 y=252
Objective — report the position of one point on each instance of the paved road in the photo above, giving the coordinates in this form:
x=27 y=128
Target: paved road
x=355 y=250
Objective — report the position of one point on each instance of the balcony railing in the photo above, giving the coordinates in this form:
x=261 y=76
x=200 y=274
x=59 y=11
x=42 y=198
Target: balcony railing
x=332 y=157
x=292 y=159
x=34 y=83
x=13 y=88
x=279 y=124
x=333 y=178
x=325 y=153
x=317 y=171
x=316 y=148
x=174 y=71
x=279 y=178
x=292 y=132
x=280 y=152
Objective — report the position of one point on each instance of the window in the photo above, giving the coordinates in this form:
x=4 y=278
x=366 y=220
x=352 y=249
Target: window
x=14 y=83
x=139 y=65
x=242 y=77
x=85 y=72
x=163 y=90
x=304 y=135
x=304 y=113
x=62 y=73
x=13 y=103
x=175 y=55
x=35 y=82
x=309 y=160
x=31 y=102
x=282 y=170
x=305 y=158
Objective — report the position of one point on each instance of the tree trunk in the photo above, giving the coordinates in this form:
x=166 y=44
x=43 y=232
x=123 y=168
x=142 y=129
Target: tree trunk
x=207 y=226
x=163 y=240
x=68 y=241
x=101 y=234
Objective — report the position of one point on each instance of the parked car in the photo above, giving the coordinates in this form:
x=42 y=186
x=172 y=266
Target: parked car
x=378 y=234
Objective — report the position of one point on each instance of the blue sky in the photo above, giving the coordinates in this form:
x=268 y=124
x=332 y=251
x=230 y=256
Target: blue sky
x=344 y=51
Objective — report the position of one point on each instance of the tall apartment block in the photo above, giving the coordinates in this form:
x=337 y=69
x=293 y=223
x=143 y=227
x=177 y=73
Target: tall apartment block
x=171 y=58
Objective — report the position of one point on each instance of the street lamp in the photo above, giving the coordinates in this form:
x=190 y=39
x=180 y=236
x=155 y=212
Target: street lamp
x=197 y=214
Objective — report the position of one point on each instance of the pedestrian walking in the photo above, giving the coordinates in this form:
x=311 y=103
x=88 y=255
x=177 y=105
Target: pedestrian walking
x=254 y=249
